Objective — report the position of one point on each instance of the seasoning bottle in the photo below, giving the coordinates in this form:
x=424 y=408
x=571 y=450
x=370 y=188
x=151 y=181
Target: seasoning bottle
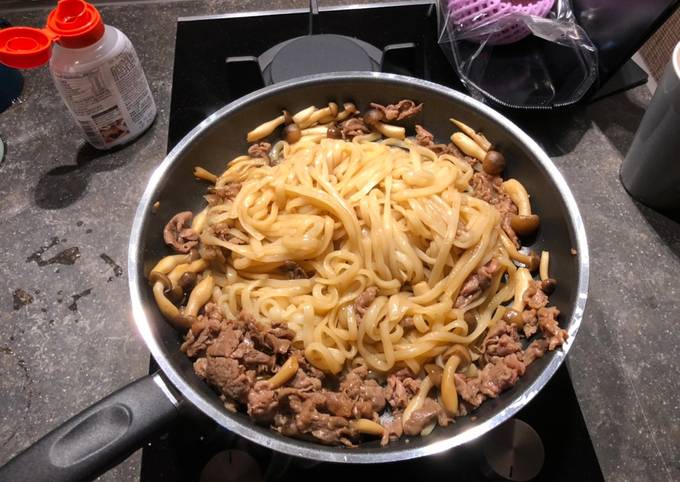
x=94 y=67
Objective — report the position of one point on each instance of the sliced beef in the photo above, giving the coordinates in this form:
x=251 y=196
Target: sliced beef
x=229 y=377
x=547 y=322
x=501 y=375
x=196 y=345
x=401 y=110
x=534 y=297
x=501 y=340
x=310 y=369
x=263 y=402
x=275 y=339
x=305 y=383
x=401 y=388
x=368 y=396
x=364 y=300
x=529 y=322
x=260 y=150
x=422 y=417
x=230 y=353
x=293 y=270
x=203 y=333
x=493 y=379
x=307 y=419
x=227 y=341
x=221 y=230
x=352 y=127
x=339 y=404
x=469 y=389
x=489 y=188
x=178 y=233
x=279 y=339
x=393 y=428
x=535 y=350
x=213 y=254
x=258 y=360
x=200 y=367
x=476 y=283
x=424 y=137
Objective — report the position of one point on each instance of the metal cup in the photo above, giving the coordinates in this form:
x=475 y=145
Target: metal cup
x=651 y=170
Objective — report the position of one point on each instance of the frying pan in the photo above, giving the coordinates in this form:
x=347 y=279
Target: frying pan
x=114 y=427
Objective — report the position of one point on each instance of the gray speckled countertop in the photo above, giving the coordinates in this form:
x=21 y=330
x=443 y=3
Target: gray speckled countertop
x=66 y=333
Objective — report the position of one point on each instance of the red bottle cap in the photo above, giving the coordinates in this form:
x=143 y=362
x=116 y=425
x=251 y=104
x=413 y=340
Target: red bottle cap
x=73 y=24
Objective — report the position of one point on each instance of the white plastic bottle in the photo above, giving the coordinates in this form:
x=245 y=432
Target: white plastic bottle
x=95 y=69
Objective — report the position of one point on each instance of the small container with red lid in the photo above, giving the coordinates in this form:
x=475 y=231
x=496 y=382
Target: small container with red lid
x=95 y=68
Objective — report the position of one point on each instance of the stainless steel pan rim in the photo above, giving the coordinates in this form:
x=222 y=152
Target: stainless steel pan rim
x=339 y=454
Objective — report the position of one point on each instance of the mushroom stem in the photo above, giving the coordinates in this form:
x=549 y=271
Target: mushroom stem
x=193 y=267
x=543 y=265
x=521 y=285
x=468 y=146
x=263 y=130
x=302 y=116
x=364 y=425
x=435 y=373
x=332 y=113
x=530 y=260
x=169 y=310
x=524 y=224
x=460 y=357
x=448 y=387
x=479 y=139
x=199 y=296
x=285 y=373
x=417 y=401
x=198 y=223
x=349 y=109
x=317 y=130
x=168 y=263
x=518 y=195
x=204 y=174
x=389 y=130
x=316 y=116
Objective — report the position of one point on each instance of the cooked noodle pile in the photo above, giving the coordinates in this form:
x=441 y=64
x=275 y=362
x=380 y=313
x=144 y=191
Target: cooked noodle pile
x=369 y=213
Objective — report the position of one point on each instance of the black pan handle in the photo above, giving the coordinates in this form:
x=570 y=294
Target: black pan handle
x=99 y=437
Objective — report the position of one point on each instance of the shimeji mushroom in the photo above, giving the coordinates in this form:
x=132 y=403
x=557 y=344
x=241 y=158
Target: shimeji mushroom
x=468 y=146
x=285 y=373
x=291 y=133
x=493 y=163
x=349 y=109
x=373 y=118
x=263 y=130
x=523 y=223
x=479 y=139
x=459 y=357
x=369 y=427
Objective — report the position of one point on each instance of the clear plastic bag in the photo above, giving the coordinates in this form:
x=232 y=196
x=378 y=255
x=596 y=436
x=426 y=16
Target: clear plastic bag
x=518 y=53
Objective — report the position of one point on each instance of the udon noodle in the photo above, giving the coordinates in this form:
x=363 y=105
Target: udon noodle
x=383 y=213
